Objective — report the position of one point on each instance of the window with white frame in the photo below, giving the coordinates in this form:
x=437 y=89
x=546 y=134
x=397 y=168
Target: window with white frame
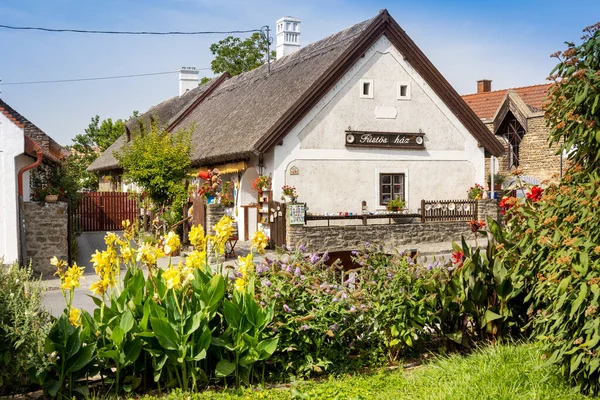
x=403 y=91
x=391 y=186
x=365 y=89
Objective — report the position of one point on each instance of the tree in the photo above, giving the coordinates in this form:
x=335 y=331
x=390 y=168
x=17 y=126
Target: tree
x=235 y=55
x=87 y=147
x=158 y=161
x=573 y=109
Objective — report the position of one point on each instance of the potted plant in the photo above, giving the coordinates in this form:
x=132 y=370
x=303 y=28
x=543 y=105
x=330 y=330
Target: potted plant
x=289 y=194
x=396 y=204
x=48 y=192
x=262 y=183
x=476 y=192
x=499 y=179
x=226 y=197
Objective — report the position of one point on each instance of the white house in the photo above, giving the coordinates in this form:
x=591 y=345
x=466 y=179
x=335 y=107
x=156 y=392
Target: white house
x=23 y=146
x=361 y=115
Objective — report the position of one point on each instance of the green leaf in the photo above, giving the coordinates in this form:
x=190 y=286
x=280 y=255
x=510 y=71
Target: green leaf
x=489 y=317
x=232 y=314
x=166 y=335
x=224 y=368
x=267 y=347
x=193 y=323
x=81 y=359
x=117 y=336
x=127 y=321
x=213 y=293
x=132 y=351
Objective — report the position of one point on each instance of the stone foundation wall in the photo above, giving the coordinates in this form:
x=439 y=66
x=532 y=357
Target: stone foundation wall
x=46 y=235
x=214 y=212
x=403 y=235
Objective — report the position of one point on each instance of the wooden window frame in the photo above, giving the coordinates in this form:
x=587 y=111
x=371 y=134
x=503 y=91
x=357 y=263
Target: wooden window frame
x=392 y=192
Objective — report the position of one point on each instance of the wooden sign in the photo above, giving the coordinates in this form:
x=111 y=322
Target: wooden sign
x=296 y=213
x=412 y=141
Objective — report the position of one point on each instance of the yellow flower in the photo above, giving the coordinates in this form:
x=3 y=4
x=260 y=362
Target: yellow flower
x=260 y=241
x=172 y=242
x=99 y=287
x=70 y=279
x=240 y=284
x=246 y=265
x=126 y=224
x=126 y=254
x=172 y=277
x=197 y=237
x=59 y=264
x=148 y=254
x=110 y=238
x=196 y=259
x=75 y=317
x=224 y=228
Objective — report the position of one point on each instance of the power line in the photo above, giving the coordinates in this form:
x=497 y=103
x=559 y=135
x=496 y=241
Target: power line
x=93 y=79
x=33 y=28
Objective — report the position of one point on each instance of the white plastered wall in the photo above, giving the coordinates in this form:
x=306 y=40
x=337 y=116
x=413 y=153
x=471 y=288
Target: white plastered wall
x=334 y=178
x=12 y=144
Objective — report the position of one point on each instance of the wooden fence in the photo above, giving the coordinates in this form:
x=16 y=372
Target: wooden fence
x=104 y=211
x=448 y=210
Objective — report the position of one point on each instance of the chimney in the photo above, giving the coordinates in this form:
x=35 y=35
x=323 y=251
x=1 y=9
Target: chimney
x=484 y=85
x=288 y=36
x=188 y=79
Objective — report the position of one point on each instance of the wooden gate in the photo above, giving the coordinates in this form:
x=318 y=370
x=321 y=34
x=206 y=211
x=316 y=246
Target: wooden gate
x=277 y=223
x=104 y=211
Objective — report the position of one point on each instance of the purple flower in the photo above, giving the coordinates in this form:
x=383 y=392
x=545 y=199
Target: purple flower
x=262 y=303
x=283 y=267
x=389 y=275
x=323 y=285
x=303 y=277
x=302 y=247
x=352 y=279
x=232 y=277
x=354 y=252
x=334 y=327
x=352 y=309
x=362 y=306
x=313 y=258
x=286 y=308
x=277 y=294
x=344 y=296
x=429 y=267
x=304 y=327
x=367 y=244
x=325 y=256
x=267 y=283
x=334 y=300
x=297 y=271
x=436 y=264
x=289 y=269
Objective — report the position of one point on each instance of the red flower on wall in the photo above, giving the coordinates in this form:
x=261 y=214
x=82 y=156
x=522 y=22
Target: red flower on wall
x=535 y=194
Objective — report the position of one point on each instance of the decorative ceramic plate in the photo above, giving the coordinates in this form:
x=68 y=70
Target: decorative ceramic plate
x=451 y=206
x=427 y=207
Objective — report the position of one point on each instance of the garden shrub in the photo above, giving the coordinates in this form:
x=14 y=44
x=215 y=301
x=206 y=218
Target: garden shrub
x=24 y=325
x=557 y=249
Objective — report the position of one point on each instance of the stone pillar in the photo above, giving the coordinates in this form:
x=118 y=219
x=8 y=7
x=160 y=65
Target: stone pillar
x=46 y=235
x=488 y=208
x=214 y=213
x=293 y=233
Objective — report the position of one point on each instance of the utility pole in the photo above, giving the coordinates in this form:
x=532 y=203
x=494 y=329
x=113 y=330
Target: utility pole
x=268 y=37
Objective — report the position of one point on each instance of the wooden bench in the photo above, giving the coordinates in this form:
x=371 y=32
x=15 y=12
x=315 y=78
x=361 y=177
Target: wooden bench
x=230 y=245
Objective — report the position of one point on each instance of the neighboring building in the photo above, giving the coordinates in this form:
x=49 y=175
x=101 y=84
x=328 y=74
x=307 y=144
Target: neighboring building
x=20 y=142
x=516 y=116
x=361 y=115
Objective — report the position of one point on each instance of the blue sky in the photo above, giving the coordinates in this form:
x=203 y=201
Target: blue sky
x=506 y=41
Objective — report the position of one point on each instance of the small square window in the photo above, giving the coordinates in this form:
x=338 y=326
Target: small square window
x=403 y=91
x=365 y=89
x=391 y=186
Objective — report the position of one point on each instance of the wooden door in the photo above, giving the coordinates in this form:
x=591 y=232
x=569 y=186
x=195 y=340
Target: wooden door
x=277 y=223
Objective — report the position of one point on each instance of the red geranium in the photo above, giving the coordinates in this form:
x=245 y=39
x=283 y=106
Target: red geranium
x=505 y=203
x=476 y=225
x=535 y=194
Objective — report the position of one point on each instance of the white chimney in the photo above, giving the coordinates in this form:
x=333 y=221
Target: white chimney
x=188 y=79
x=288 y=36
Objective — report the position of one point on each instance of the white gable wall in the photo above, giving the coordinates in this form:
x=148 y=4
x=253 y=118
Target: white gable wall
x=12 y=144
x=335 y=178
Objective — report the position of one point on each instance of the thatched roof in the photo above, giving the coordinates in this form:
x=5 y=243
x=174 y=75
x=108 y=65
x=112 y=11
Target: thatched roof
x=52 y=151
x=161 y=114
x=251 y=112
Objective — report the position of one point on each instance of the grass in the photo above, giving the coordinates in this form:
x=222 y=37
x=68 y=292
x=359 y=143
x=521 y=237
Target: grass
x=494 y=372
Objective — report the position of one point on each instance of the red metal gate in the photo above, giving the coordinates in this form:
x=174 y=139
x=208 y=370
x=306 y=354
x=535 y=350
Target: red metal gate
x=104 y=211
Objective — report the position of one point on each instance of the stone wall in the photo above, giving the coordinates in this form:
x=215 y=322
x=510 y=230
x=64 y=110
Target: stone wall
x=46 y=235
x=214 y=212
x=353 y=237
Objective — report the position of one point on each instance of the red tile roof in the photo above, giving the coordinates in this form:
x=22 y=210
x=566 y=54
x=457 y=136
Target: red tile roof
x=486 y=104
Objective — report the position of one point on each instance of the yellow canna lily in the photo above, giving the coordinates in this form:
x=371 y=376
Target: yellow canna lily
x=75 y=317
x=172 y=242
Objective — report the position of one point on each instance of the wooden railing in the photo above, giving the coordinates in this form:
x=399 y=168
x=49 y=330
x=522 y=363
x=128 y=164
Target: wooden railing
x=431 y=211
x=448 y=210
